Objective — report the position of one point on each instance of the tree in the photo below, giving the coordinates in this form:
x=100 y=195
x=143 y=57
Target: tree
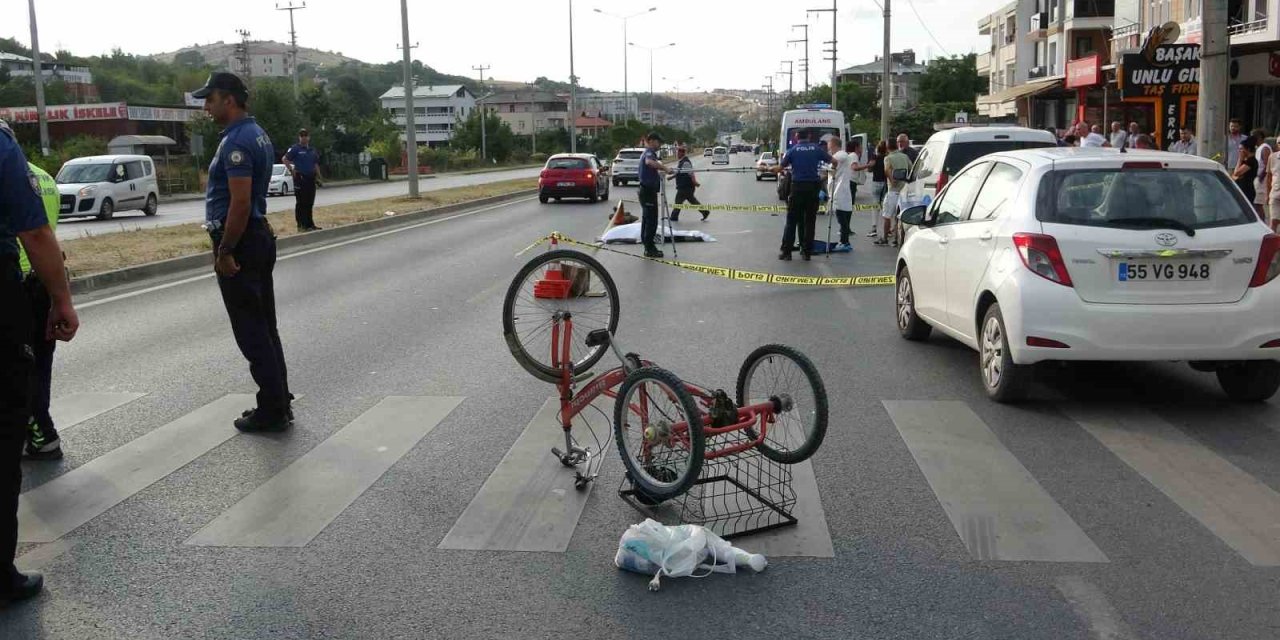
x=706 y=134
x=191 y=59
x=277 y=112
x=855 y=100
x=953 y=79
x=499 y=138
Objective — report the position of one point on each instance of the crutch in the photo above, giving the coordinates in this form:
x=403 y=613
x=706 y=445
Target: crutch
x=665 y=217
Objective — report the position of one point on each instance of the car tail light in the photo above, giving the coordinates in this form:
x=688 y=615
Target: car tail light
x=543 y=174
x=1141 y=165
x=1034 y=341
x=1268 y=261
x=1040 y=254
x=942 y=181
x=1273 y=344
x=590 y=175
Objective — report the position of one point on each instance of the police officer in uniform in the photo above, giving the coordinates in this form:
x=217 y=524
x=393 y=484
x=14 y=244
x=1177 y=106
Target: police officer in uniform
x=304 y=164
x=650 y=187
x=686 y=184
x=245 y=246
x=22 y=217
x=42 y=436
x=803 y=158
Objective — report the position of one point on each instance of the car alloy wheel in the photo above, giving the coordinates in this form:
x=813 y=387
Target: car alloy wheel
x=992 y=352
x=906 y=303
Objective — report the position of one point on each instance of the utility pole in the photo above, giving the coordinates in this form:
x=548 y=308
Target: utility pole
x=533 y=117
x=484 y=145
x=791 y=72
x=886 y=80
x=573 y=91
x=834 y=21
x=1211 y=120
x=769 y=101
x=293 y=40
x=626 y=90
x=242 y=52
x=39 y=79
x=411 y=133
x=805 y=40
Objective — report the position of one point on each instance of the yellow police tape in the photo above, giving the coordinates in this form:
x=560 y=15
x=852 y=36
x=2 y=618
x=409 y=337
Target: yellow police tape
x=733 y=274
x=754 y=208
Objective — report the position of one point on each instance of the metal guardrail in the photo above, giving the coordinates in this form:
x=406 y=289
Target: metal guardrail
x=1247 y=27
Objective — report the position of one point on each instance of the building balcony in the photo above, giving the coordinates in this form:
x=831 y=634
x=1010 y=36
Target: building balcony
x=1039 y=26
x=1258 y=31
x=984 y=63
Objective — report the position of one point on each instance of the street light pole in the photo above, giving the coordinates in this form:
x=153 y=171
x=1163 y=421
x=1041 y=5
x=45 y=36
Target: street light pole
x=411 y=135
x=573 y=91
x=626 y=90
x=652 y=117
x=39 y=80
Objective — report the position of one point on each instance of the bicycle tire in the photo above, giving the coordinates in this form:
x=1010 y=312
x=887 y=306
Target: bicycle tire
x=510 y=316
x=814 y=435
x=650 y=488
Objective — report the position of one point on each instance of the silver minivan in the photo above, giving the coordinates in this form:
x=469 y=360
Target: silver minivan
x=102 y=185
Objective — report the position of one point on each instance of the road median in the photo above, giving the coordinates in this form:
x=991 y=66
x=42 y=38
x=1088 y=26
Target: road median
x=123 y=257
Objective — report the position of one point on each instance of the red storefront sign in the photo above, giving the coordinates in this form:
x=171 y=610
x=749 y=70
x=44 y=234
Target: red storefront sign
x=67 y=112
x=1084 y=72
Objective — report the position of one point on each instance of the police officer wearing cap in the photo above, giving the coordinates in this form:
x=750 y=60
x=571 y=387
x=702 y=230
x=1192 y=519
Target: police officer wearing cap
x=245 y=246
x=803 y=158
x=303 y=162
x=22 y=217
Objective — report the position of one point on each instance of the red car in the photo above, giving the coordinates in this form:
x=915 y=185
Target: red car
x=574 y=175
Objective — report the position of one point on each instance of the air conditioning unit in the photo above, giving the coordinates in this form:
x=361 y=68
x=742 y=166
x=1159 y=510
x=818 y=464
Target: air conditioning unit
x=1040 y=21
x=1037 y=72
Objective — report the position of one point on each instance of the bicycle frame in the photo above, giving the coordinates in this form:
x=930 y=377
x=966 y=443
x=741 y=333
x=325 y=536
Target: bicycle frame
x=760 y=414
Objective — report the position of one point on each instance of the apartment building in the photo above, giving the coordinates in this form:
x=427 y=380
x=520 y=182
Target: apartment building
x=77 y=80
x=528 y=111
x=1054 y=62
x=904 y=77
x=435 y=110
x=611 y=106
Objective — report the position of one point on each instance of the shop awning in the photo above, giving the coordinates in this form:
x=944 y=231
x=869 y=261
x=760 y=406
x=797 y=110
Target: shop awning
x=1020 y=91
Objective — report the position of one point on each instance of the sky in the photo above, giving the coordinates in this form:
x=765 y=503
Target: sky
x=718 y=43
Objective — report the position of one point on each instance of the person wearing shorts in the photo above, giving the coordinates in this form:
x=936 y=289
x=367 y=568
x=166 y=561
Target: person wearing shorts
x=896 y=167
x=1273 y=190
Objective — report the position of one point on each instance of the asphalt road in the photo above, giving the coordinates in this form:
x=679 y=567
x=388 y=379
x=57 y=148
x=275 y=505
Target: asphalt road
x=187 y=211
x=1120 y=502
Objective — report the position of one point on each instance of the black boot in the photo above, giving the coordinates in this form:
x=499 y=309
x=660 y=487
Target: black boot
x=21 y=586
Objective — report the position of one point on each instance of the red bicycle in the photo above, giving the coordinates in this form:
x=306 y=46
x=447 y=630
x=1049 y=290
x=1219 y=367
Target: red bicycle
x=559 y=318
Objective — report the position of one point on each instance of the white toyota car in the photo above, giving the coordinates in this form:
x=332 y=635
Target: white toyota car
x=1091 y=254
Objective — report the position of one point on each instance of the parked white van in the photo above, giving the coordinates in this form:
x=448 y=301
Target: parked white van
x=102 y=185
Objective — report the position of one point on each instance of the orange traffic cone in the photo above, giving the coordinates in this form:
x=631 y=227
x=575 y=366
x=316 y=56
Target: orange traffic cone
x=619 y=214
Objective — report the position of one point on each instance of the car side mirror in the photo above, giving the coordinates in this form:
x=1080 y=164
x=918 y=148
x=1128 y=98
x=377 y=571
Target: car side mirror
x=917 y=215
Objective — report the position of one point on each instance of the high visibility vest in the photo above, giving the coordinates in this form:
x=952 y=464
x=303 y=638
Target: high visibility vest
x=49 y=194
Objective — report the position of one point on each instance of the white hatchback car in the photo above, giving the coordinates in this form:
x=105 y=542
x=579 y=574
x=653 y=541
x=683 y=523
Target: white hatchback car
x=720 y=155
x=1091 y=254
x=281 y=183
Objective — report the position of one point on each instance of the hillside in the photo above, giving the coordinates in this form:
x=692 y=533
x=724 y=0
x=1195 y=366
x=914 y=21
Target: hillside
x=217 y=52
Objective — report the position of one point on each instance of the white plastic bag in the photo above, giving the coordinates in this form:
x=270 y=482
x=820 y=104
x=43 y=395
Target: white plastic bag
x=655 y=549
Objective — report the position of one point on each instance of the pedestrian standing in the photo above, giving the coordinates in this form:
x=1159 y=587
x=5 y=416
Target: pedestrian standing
x=304 y=164
x=650 y=186
x=1131 y=139
x=1119 y=138
x=840 y=186
x=22 y=217
x=803 y=159
x=1089 y=136
x=1186 y=142
x=897 y=167
x=1144 y=141
x=1235 y=135
x=1263 y=154
x=245 y=246
x=42 y=435
x=1273 y=190
x=686 y=184
x=1246 y=170
x=878 y=181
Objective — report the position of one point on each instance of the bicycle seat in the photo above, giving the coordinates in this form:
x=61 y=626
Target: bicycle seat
x=598 y=337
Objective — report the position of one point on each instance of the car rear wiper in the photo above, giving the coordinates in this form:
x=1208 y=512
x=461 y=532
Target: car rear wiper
x=1156 y=223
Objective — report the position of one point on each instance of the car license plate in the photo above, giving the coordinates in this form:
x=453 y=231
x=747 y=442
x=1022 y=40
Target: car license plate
x=565 y=184
x=66 y=208
x=1163 y=271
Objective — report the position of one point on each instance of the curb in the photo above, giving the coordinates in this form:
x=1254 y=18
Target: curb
x=128 y=275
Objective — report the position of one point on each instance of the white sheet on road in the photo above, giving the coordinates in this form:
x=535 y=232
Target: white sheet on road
x=630 y=233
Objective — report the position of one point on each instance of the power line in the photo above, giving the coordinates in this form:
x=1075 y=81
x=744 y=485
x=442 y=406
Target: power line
x=926 y=28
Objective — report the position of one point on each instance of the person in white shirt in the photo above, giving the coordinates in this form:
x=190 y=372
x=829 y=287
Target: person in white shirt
x=1235 y=136
x=840 y=186
x=1186 y=142
x=1263 y=155
x=1273 y=190
x=1119 y=137
x=1131 y=139
x=1089 y=137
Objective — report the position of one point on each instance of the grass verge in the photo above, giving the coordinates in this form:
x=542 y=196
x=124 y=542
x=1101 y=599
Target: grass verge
x=111 y=251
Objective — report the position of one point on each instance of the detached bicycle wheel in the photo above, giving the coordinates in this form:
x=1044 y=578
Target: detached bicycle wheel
x=659 y=432
x=555 y=284
x=778 y=371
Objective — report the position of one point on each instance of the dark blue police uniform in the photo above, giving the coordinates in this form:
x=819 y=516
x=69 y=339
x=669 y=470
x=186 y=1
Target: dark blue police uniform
x=305 y=160
x=650 y=185
x=803 y=158
x=21 y=209
x=249 y=296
